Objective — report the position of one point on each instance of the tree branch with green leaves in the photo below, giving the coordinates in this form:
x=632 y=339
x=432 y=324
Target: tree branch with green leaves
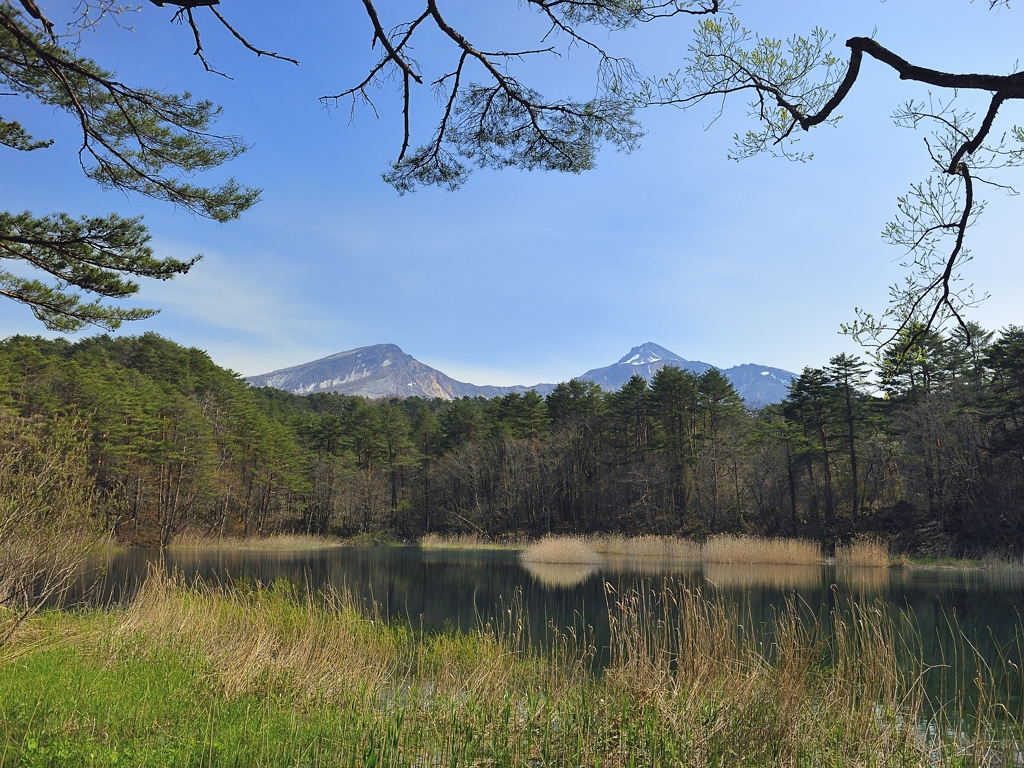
x=498 y=121
x=797 y=84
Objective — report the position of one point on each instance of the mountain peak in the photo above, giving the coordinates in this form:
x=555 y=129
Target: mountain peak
x=648 y=353
x=645 y=360
x=380 y=370
x=384 y=370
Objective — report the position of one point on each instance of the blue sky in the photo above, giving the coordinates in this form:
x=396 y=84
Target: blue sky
x=527 y=277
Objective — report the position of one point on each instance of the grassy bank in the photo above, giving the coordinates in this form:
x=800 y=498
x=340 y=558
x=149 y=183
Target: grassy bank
x=196 y=676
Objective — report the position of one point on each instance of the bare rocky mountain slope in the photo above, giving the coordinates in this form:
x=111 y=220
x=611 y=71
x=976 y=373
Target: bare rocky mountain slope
x=382 y=370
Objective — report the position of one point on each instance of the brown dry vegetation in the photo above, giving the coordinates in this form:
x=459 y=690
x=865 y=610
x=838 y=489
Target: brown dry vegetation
x=572 y=550
x=687 y=683
x=466 y=541
x=46 y=532
x=750 y=549
x=864 y=552
x=276 y=542
x=665 y=547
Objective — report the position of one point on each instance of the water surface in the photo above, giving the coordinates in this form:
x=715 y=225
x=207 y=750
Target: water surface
x=458 y=589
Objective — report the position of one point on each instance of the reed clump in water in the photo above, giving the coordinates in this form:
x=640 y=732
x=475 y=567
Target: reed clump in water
x=274 y=542
x=563 y=550
x=718 y=549
x=663 y=547
x=872 y=553
x=750 y=549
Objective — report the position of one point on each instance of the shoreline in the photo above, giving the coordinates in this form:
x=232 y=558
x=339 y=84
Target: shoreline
x=647 y=548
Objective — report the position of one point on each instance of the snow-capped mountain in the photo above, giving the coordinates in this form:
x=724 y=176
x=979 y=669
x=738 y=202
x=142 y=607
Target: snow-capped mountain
x=384 y=370
x=645 y=360
x=757 y=384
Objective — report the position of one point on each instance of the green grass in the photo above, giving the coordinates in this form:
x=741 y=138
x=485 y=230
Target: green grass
x=251 y=676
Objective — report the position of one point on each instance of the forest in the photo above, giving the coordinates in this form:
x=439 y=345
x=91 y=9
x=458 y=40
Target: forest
x=155 y=440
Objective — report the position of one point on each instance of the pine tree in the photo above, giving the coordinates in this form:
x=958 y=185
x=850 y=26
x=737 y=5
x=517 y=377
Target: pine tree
x=133 y=140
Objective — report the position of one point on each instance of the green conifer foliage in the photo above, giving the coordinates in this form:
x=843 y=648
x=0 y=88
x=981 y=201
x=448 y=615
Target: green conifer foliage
x=137 y=140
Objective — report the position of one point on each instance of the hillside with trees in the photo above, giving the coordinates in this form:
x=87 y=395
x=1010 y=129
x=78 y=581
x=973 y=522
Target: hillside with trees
x=167 y=441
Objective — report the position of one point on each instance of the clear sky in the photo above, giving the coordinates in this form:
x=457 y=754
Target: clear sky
x=526 y=277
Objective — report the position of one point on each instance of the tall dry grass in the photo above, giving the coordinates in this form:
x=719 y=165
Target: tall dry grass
x=686 y=676
x=718 y=549
x=750 y=549
x=325 y=647
x=696 y=663
x=573 y=550
x=46 y=530
x=465 y=541
x=272 y=543
x=872 y=553
x=664 y=547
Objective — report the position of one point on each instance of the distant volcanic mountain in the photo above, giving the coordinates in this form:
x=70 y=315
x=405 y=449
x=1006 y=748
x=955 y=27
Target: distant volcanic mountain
x=384 y=370
x=645 y=360
x=757 y=384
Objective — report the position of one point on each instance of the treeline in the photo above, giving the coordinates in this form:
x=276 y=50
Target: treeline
x=934 y=461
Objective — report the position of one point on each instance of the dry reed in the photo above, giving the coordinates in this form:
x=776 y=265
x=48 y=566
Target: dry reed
x=749 y=549
x=276 y=542
x=571 y=550
x=664 y=547
x=688 y=681
x=465 y=541
x=871 y=553
x=326 y=647
x=695 y=663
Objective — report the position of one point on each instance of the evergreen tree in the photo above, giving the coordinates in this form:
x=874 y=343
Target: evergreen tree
x=811 y=404
x=133 y=140
x=463 y=422
x=675 y=398
x=427 y=436
x=847 y=374
x=629 y=409
x=574 y=400
x=1003 y=403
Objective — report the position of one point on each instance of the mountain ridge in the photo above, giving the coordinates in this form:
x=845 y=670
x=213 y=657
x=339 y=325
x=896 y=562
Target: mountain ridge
x=385 y=370
x=380 y=370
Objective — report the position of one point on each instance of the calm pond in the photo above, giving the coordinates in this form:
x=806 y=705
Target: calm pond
x=444 y=589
